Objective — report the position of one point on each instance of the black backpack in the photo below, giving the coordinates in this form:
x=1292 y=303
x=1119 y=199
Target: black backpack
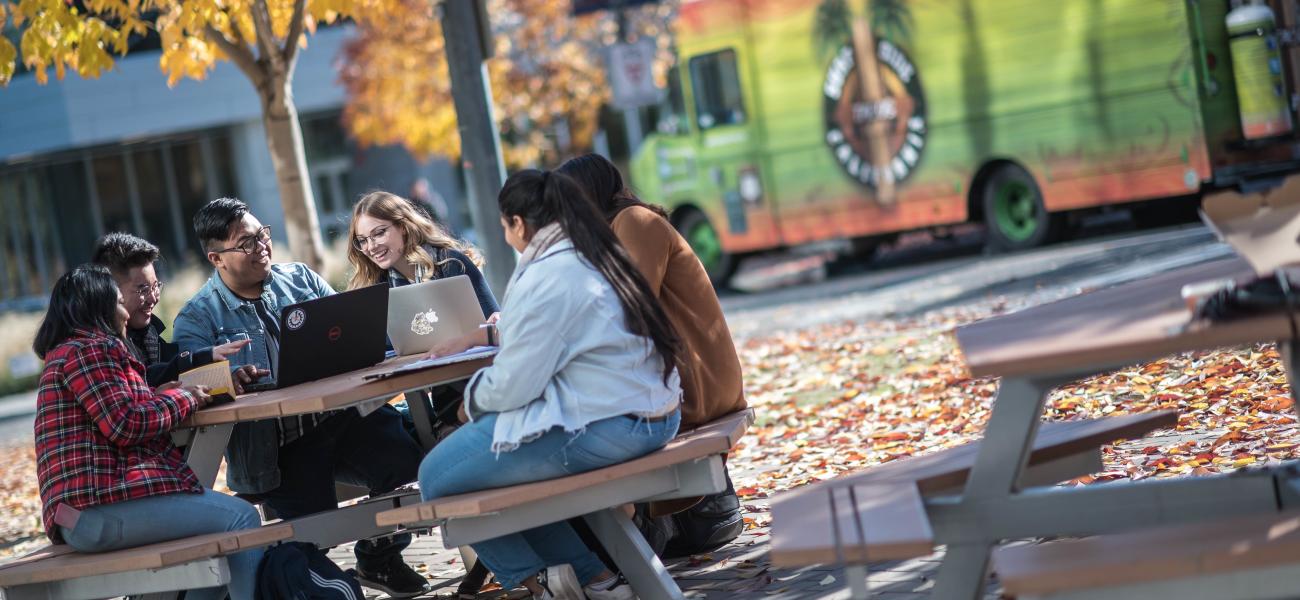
x=301 y=571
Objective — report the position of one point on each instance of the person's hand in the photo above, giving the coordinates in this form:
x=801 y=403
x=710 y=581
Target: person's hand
x=461 y=415
x=200 y=393
x=170 y=385
x=228 y=349
x=456 y=346
x=246 y=375
x=494 y=317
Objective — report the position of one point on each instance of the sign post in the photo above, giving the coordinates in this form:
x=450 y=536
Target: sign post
x=466 y=32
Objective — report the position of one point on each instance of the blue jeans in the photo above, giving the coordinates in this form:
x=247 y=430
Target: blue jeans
x=132 y=523
x=465 y=462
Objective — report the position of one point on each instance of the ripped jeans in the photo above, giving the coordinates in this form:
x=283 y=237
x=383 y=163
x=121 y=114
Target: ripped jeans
x=464 y=462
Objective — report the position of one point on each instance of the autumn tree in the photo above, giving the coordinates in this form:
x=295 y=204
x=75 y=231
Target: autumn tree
x=261 y=37
x=547 y=77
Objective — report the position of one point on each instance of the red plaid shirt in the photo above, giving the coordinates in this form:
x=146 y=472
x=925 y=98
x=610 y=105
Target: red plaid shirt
x=102 y=435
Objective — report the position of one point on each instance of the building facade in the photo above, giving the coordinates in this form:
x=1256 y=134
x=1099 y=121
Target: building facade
x=81 y=158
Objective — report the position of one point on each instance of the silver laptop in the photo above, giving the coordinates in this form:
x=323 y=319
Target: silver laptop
x=423 y=315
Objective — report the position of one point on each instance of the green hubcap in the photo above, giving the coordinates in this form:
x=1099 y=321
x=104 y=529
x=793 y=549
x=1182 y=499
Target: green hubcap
x=704 y=241
x=1015 y=210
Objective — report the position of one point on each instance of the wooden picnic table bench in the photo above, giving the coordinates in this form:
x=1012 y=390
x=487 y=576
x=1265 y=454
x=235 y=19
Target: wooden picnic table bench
x=690 y=465
x=58 y=572
x=1243 y=558
x=1034 y=351
x=890 y=496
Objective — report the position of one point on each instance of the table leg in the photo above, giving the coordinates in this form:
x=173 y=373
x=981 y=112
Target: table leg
x=422 y=414
x=1290 y=351
x=205 y=450
x=857 y=576
x=642 y=568
x=1004 y=451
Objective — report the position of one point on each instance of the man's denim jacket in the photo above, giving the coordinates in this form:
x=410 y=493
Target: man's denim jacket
x=215 y=315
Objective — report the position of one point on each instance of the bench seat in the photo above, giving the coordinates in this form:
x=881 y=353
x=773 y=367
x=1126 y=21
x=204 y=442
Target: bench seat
x=715 y=438
x=60 y=562
x=880 y=514
x=1242 y=557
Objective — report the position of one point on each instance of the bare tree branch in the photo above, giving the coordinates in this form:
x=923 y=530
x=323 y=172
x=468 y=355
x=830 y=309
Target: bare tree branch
x=295 y=35
x=238 y=53
x=266 y=44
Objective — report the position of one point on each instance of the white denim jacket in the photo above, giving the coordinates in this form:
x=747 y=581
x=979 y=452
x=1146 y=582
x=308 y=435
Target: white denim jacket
x=567 y=357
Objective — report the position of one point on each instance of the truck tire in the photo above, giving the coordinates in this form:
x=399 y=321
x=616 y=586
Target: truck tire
x=1014 y=212
x=704 y=241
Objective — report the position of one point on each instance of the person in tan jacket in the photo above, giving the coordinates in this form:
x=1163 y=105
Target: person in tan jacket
x=710 y=371
x=711 y=379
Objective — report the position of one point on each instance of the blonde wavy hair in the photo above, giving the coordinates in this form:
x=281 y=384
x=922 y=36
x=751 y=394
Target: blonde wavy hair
x=417 y=229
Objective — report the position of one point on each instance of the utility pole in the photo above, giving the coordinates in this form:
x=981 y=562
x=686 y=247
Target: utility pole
x=467 y=33
x=631 y=116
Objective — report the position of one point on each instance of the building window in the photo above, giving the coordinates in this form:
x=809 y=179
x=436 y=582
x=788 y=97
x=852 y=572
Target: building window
x=718 y=98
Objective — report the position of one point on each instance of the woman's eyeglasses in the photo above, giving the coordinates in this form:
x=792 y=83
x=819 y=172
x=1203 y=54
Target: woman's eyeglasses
x=361 y=242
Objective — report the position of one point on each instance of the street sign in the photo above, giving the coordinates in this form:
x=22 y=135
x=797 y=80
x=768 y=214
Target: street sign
x=582 y=7
x=631 y=74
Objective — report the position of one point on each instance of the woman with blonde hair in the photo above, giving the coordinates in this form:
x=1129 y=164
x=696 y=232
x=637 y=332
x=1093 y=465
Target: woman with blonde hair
x=393 y=241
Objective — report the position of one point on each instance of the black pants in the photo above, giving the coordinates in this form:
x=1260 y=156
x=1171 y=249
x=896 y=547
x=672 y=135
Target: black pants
x=374 y=452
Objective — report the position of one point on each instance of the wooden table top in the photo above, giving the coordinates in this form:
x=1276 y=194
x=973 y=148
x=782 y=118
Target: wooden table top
x=1109 y=328
x=339 y=391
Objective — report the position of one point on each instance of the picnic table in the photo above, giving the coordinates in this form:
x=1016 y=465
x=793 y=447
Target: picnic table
x=57 y=572
x=1034 y=351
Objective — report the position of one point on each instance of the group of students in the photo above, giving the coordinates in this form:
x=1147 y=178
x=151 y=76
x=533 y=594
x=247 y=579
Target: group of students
x=611 y=339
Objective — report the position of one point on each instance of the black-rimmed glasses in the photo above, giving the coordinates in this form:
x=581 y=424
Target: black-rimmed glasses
x=249 y=244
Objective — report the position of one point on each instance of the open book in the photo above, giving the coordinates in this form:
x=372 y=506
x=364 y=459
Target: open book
x=216 y=376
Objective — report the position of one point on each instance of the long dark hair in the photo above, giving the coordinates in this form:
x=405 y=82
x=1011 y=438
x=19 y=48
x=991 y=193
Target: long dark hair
x=544 y=197
x=83 y=298
x=604 y=185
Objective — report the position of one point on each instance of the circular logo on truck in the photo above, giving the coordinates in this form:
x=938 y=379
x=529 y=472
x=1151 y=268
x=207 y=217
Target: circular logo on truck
x=849 y=114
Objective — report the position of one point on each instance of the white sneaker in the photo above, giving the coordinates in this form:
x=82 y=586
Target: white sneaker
x=619 y=591
x=561 y=583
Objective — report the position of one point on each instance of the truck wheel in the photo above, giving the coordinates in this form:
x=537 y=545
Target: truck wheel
x=704 y=240
x=1014 y=211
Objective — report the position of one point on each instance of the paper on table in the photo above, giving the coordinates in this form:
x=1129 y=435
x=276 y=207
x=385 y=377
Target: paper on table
x=474 y=353
x=1263 y=228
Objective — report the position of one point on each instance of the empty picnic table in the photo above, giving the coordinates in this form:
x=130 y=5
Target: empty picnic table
x=1034 y=351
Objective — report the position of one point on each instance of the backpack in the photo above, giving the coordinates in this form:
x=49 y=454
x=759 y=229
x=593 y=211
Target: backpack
x=301 y=571
x=710 y=524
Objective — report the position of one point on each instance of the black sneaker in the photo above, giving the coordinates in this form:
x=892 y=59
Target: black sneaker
x=397 y=579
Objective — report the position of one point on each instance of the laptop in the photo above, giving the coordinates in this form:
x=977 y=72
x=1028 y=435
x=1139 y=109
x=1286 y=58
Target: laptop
x=329 y=336
x=423 y=315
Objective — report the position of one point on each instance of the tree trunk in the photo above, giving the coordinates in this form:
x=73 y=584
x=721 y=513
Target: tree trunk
x=873 y=92
x=284 y=138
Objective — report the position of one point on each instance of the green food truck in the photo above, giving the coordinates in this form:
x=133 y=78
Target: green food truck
x=780 y=129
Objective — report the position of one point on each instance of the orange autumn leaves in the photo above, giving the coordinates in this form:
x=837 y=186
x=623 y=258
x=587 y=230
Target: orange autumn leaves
x=547 y=77
x=844 y=397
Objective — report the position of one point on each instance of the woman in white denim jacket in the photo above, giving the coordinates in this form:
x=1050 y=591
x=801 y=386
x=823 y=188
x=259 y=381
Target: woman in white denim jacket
x=586 y=377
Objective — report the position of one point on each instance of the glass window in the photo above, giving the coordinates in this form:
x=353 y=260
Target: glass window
x=114 y=200
x=716 y=82
x=154 y=204
x=64 y=190
x=674 y=120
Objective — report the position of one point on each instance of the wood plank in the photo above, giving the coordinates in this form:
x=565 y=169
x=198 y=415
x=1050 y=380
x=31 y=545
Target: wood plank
x=852 y=524
x=1165 y=553
x=1056 y=439
x=714 y=438
x=334 y=392
x=893 y=518
x=1129 y=323
x=67 y=565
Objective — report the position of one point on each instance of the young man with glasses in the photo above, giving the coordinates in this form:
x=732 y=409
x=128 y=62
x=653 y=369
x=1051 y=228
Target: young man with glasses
x=131 y=261
x=291 y=463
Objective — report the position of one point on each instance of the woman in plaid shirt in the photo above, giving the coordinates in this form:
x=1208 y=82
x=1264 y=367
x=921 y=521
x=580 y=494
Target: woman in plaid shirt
x=109 y=474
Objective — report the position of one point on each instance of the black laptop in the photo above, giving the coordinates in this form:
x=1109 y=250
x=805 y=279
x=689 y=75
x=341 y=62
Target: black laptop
x=328 y=336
